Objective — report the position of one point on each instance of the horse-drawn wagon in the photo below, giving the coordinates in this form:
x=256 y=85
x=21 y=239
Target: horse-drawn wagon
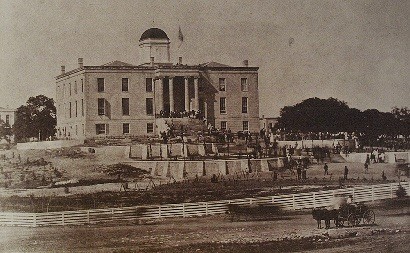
x=349 y=214
x=355 y=214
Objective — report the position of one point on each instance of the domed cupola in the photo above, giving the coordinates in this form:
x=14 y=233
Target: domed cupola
x=155 y=43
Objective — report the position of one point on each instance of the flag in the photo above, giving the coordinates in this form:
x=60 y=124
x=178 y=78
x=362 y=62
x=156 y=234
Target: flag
x=180 y=35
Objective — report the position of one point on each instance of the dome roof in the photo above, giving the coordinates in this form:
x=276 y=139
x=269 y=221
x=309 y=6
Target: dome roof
x=154 y=33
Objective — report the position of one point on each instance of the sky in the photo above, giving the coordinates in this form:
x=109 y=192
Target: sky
x=355 y=51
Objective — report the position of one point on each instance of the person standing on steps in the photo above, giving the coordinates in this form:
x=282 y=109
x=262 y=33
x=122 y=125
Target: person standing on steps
x=326 y=169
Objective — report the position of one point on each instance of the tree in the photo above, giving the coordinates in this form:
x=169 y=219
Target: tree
x=35 y=119
x=316 y=115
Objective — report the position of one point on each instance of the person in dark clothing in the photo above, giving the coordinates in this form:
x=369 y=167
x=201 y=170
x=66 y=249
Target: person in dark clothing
x=346 y=172
x=326 y=169
x=299 y=171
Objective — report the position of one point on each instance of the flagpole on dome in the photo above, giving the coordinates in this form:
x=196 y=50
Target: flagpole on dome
x=181 y=41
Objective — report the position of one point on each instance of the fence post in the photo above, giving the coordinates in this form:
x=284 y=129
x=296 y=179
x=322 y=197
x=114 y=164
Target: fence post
x=250 y=201
x=159 y=212
x=206 y=208
x=391 y=191
x=88 y=216
x=372 y=193
x=12 y=219
x=183 y=209
x=112 y=213
x=34 y=220
x=354 y=195
x=314 y=200
x=62 y=218
x=293 y=202
x=273 y=199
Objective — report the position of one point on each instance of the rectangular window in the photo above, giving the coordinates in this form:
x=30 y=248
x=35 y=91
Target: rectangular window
x=70 y=89
x=76 y=130
x=82 y=85
x=222 y=84
x=100 y=129
x=244 y=84
x=100 y=84
x=222 y=105
x=8 y=119
x=245 y=126
x=126 y=128
x=125 y=84
x=82 y=107
x=76 y=109
x=149 y=106
x=69 y=110
x=150 y=128
x=125 y=106
x=244 y=105
x=223 y=125
x=101 y=106
x=63 y=89
x=148 y=84
x=75 y=87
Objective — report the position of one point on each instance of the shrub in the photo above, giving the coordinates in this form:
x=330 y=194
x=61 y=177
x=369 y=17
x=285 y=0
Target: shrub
x=401 y=192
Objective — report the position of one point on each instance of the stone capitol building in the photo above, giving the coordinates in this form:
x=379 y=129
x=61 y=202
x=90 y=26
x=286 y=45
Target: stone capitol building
x=119 y=99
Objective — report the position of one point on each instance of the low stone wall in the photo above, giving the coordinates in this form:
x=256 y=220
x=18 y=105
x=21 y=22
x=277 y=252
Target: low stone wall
x=111 y=152
x=145 y=151
x=314 y=143
x=48 y=144
x=177 y=169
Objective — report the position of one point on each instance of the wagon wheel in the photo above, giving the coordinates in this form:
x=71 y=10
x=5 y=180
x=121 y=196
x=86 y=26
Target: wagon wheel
x=352 y=220
x=368 y=217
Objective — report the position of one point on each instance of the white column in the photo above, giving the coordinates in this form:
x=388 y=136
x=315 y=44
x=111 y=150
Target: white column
x=186 y=95
x=159 y=94
x=171 y=94
x=196 y=101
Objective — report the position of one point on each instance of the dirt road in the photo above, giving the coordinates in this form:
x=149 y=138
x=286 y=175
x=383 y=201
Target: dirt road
x=297 y=233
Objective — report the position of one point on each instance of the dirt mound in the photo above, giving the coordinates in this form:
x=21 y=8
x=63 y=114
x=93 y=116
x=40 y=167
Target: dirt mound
x=125 y=170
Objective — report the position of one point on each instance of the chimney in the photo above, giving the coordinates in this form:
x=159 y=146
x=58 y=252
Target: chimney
x=62 y=70
x=180 y=60
x=245 y=63
x=80 y=62
x=152 y=61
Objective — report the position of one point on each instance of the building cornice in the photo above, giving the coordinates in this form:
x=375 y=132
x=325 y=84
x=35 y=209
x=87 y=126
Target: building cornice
x=159 y=68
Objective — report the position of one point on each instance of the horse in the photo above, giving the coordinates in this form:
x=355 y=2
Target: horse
x=326 y=215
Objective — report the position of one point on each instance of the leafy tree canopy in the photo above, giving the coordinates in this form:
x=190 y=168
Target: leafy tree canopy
x=332 y=115
x=35 y=119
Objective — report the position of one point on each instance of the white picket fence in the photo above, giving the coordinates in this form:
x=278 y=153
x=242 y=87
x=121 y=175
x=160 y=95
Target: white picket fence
x=289 y=202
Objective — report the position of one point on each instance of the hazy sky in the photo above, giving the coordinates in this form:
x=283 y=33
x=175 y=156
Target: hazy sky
x=356 y=51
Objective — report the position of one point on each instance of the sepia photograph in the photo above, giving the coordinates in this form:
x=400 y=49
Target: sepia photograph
x=220 y=126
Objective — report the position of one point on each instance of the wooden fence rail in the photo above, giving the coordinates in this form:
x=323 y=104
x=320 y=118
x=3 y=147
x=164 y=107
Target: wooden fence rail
x=289 y=202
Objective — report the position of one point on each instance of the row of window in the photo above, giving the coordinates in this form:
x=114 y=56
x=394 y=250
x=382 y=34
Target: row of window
x=149 y=106
x=74 y=89
x=125 y=104
x=244 y=84
x=245 y=125
x=70 y=109
x=124 y=84
x=104 y=128
x=222 y=105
